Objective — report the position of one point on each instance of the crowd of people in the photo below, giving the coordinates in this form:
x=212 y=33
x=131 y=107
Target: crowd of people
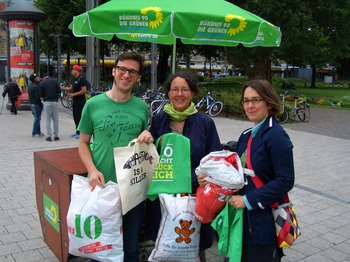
x=44 y=94
x=266 y=146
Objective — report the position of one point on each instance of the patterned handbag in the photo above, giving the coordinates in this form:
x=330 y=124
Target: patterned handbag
x=286 y=222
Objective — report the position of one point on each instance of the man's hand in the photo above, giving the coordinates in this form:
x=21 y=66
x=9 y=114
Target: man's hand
x=96 y=179
x=237 y=202
x=145 y=137
x=70 y=94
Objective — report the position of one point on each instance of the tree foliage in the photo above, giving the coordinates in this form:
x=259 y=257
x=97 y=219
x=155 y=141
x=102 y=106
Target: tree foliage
x=313 y=33
x=60 y=14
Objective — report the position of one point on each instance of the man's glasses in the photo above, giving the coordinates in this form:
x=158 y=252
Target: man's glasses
x=254 y=101
x=123 y=70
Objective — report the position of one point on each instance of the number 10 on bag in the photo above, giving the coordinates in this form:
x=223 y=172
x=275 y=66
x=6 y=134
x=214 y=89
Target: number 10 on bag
x=87 y=228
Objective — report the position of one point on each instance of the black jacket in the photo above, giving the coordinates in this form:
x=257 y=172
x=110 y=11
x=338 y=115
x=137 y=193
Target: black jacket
x=34 y=94
x=50 y=90
x=12 y=90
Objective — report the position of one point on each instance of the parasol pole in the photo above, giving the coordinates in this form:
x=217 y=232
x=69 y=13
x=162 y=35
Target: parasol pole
x=173 y=59
x=154 y=66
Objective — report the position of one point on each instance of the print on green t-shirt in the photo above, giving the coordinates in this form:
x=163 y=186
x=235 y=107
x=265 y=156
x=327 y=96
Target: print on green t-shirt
x=112 y=124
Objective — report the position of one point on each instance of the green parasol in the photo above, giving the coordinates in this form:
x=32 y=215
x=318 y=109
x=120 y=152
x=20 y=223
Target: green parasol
x=201 y=22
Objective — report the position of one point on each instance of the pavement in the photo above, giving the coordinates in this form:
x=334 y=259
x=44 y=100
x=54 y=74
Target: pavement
x=321 y=194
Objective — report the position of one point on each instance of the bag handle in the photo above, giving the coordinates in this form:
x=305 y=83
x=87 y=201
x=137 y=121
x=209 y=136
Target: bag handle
x=257 y=180
x=159 y=143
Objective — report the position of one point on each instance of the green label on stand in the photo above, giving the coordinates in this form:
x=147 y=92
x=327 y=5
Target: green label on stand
x=51 y=212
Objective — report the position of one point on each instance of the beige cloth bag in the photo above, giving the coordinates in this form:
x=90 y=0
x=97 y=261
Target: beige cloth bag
x=134 y=165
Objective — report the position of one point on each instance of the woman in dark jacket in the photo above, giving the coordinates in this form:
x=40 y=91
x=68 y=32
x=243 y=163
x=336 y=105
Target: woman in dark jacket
x=272 y=161
x=181 y=116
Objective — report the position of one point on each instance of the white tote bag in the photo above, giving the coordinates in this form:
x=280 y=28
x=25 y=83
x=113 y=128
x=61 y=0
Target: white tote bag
x=94 y=221
x=179 y=231
x=134 y=165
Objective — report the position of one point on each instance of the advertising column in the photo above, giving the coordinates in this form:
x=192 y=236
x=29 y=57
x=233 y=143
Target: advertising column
x=21 y=51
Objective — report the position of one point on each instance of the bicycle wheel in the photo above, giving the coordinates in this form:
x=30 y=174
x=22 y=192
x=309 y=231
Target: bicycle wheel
x=65 y=101
x=283 y=117
x=216 y=108
x=304 y=113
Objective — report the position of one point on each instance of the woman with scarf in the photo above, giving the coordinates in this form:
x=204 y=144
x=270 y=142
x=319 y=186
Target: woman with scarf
x=181 y=116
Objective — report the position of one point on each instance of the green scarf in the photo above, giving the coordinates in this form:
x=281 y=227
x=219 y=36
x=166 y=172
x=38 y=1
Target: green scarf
x=177 y=115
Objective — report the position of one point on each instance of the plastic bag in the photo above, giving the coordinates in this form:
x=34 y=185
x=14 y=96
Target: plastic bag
x=134 y=165
x=210 y=200
x=223 y=168
x=179 y=231
x=94 y=221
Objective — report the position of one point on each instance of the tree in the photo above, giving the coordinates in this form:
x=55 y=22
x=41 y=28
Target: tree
x=313 y=33
x=256 y=61
x=60 y=14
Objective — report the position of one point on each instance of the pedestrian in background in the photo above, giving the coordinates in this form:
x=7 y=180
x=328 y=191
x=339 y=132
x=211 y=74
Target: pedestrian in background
x=77 y=92
x=35 y=104
x=13 y=92
x=113 y=119
x=181 y=116
x=50 y=92
x=271 y=158
x=22 y=82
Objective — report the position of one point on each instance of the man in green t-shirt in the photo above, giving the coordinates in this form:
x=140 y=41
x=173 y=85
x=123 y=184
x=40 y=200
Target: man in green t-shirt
x=113 y=119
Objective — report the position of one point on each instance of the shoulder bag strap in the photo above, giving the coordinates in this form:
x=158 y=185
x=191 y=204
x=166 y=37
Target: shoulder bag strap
x=256 y=180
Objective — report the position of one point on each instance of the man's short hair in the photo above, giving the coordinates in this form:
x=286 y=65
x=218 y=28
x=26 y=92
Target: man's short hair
x=131 y=56
x=46 y=75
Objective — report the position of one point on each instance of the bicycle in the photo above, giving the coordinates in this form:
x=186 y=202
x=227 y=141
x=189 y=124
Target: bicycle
x=155 y=101
x=300 y=110
x=213 y=107
x=157 y=105
x=66 y=101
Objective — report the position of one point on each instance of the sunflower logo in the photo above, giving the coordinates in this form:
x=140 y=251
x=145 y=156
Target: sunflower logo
x=242 y=24
x=158 y=16
x=54 y=214
x=134 y=36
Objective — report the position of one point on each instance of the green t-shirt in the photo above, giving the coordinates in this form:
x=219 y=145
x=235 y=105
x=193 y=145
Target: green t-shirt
x=111 y=124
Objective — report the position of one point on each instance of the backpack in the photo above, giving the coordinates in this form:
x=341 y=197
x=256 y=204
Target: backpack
x=89 y=92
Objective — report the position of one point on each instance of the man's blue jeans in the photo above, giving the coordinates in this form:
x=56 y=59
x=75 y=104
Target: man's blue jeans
x=132 y=225
x=36 y=110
